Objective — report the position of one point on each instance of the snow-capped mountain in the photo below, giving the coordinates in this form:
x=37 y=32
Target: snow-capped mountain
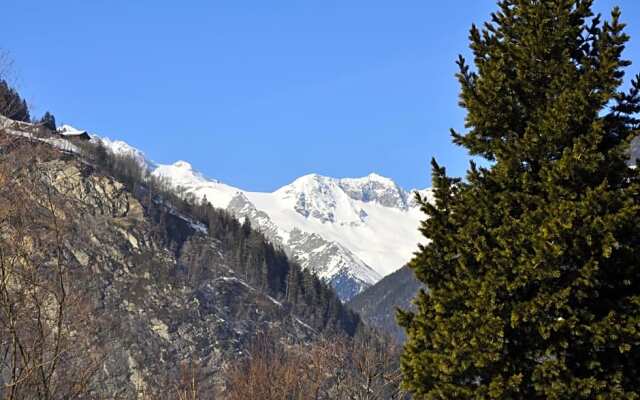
x=349 y=231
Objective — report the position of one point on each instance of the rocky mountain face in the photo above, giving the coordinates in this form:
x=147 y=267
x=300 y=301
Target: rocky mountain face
x=164 y=290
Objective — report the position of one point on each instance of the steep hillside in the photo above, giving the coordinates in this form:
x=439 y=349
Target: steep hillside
x=377 y=305
x=161 y=281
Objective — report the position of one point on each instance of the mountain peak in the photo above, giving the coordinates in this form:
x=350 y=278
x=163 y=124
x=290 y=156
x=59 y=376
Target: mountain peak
x=183 y=174
x=311 y=178
x=376 y=177
x=182 y=165
x=375 y=188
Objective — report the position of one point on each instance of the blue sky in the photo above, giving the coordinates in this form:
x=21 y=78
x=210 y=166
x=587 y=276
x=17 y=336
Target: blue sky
x=256 y=93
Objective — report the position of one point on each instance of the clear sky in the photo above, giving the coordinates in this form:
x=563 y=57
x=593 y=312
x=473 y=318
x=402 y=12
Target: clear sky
x=256 y=93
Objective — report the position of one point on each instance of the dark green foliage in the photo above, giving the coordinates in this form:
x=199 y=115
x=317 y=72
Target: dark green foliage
x=11 y=104
x=533 y=267
x=48 y=121
x=253 y=257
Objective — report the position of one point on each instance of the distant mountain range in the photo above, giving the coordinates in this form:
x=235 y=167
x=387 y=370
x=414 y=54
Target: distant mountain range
x=351 y=231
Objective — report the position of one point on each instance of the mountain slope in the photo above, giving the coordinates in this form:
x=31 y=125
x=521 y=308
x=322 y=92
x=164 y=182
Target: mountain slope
x=163 y=284
x=377 y=305
x=351 y=232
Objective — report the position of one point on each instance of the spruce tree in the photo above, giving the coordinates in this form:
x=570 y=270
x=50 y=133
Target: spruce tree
x=11 y=104
x=48 y=121
x=533 y=262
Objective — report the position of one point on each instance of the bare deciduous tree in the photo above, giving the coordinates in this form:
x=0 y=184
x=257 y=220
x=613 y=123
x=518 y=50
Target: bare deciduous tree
x=364 y=368
x=41 y=351
x=11 y=104
x=6 y=64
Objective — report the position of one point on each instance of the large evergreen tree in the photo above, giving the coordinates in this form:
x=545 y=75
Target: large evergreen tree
x=533 y=264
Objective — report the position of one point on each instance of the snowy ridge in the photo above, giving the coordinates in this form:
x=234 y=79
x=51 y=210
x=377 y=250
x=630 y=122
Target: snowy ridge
x=350 y=231
x=181 y=174
x=122 y=148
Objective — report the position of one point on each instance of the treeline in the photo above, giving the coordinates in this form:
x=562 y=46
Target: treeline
x=252 y=257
